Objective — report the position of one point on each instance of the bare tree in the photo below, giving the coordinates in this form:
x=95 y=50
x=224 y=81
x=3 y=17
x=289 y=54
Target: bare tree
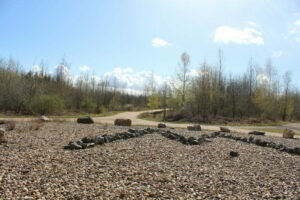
x=183 y=75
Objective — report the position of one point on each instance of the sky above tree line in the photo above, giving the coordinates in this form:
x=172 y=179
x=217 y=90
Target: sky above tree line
x=129 y=39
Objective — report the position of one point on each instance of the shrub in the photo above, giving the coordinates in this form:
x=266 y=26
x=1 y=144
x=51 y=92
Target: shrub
x=46 y=104
x=88 y=105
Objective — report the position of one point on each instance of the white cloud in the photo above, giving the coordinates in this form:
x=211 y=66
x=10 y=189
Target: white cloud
x=84 y=68
x=295 y=28
x=262 y=79
x=129 y=80
x=277 y=54
x=227 y=34
x=157 y=42
x=36 y=69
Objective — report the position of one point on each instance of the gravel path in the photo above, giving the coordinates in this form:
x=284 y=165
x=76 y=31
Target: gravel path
x=33 y=165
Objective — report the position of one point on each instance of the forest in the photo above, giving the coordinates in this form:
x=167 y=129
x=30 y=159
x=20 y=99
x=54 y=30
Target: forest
x=208 y=94
x=261 y=93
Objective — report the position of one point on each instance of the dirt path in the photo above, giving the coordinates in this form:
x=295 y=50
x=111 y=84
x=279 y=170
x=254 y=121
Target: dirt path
x=136 y=121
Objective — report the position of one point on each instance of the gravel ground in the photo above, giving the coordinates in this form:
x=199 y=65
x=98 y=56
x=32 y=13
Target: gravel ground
x=33 y=165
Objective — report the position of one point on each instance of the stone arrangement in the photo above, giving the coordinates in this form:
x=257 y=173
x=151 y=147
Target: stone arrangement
x=132 y=133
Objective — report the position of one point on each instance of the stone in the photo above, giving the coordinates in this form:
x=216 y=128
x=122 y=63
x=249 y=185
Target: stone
x=99 y=140
x=161 y=125
x=87 y=140
x=2 y=136
x=85 y=120
x=108 y=138
x=87 y=145
x=74 y=145
x=195 y=127
x=256 y=133
x=297 y=150
x=225 y=129
x=192 y=141
x=123 y=122
x=43 y=118
x=234 y=154
x=2 y=122
x=288 y=133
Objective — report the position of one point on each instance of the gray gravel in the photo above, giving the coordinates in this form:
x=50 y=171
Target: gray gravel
x=34 y=165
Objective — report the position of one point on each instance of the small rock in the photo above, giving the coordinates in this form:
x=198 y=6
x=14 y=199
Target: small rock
x=99 y=140
x=75 y=145
x=192 y=141
x=234 y=154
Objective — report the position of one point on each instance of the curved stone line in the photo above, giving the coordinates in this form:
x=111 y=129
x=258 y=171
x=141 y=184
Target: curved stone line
x=259 y=142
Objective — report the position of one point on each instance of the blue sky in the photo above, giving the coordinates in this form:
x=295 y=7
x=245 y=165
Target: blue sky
x=129 y=37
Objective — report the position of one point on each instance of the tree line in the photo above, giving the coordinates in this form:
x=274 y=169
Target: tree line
x=261 y=93
x=39 y=92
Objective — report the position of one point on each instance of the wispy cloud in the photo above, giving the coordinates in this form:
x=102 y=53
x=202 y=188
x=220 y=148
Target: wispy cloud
x=227 y=34
x=277 y=54
x=84 y=68
x=253 y=24
x=295 y=30
x=157 y=42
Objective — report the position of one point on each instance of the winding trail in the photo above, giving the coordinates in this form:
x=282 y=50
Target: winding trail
x=136 y=121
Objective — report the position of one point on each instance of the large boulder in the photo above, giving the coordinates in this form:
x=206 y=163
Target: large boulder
x=161 y=125
x=256 y=133
x=123 y=122
x=225 y=129
x=2 y=136
x=85 y=120
x=288 y=133
x=2 y=121
x=195 y=127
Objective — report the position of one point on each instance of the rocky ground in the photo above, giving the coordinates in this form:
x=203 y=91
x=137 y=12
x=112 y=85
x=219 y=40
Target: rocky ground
x=34 y=165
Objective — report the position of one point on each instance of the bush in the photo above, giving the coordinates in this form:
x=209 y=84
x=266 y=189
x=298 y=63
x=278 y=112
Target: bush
x=88 y=105
x=46 y=104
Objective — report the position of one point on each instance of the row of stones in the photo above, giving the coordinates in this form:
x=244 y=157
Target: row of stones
x=131 y=133
x=87 y=142
x=262 y=143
